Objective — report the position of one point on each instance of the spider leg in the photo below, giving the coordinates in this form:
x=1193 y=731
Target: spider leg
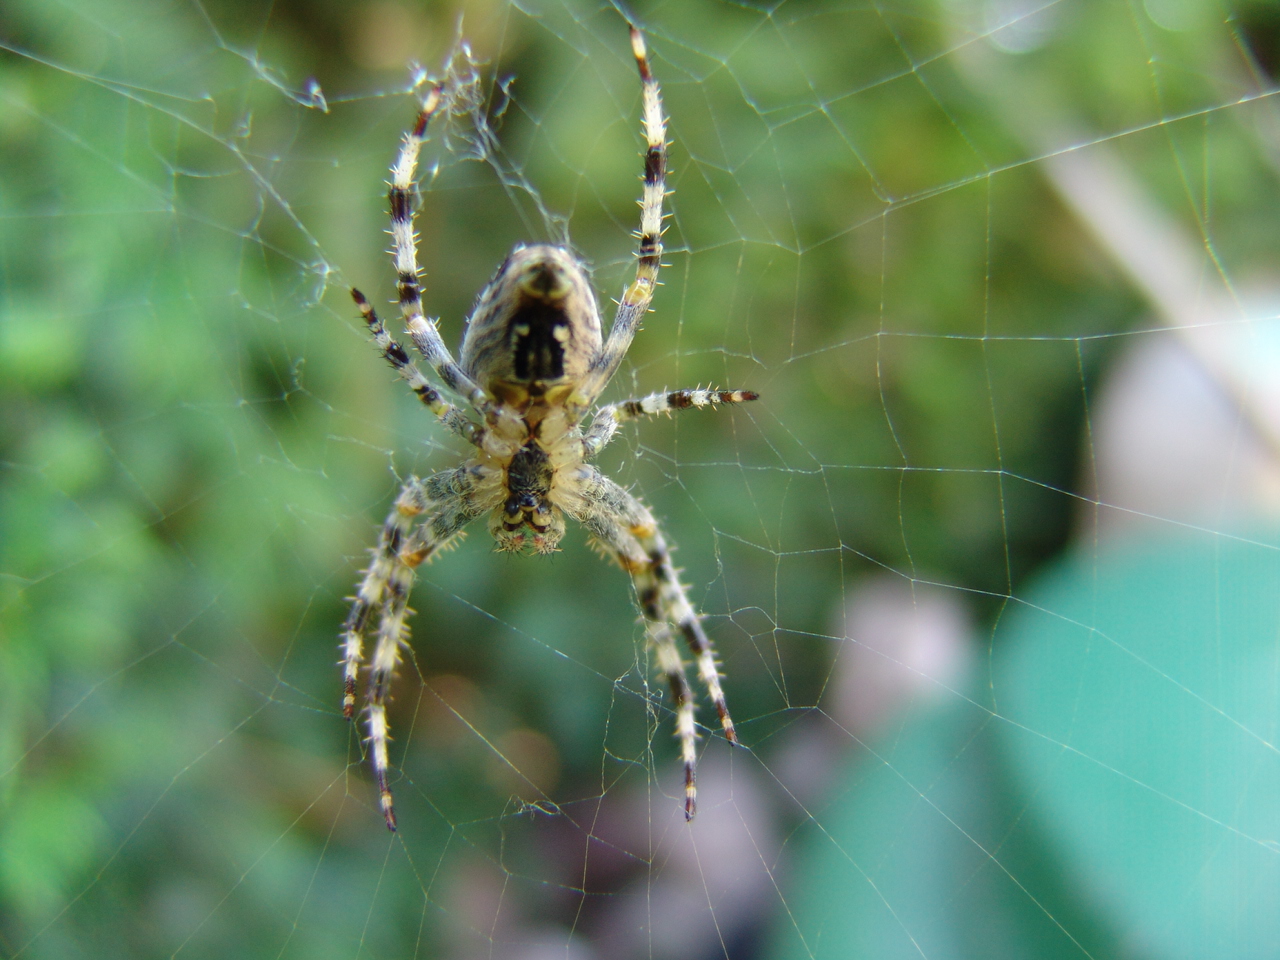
x=404 y=250
x=607 y=419
x=374 y=585
x=449 y=415
x=628 y=529
x=635 y=301
x=449 y=501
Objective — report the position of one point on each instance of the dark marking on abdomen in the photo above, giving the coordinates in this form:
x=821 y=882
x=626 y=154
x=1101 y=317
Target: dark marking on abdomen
x=537 y=353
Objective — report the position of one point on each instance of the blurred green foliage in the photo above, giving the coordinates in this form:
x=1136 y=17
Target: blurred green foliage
x=197 y=441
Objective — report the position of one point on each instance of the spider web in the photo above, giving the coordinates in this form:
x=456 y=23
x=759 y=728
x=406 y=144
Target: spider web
x=991 y=565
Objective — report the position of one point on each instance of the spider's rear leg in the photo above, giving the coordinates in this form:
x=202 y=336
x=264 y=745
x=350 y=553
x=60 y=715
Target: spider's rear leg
x=372 y=593
x=662 y=585
x=632 y=557
x=449 y=502
x=672 y=665
x=664 y=605
x=626 y=527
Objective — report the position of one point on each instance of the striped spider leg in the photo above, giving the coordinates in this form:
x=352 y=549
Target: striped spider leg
x=626 y=528
x=639 y=294
x=608 y=418
x=441 y=506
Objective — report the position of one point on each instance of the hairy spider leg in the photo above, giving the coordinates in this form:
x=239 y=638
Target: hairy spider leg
x=624 y=526
x=635 y=300
x=371 y=592
x=607 y=419
x=446 y=503
x=453 y=418
x=404 y=252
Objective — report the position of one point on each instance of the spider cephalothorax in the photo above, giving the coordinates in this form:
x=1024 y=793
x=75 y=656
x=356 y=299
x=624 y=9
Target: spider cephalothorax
x=533 y=363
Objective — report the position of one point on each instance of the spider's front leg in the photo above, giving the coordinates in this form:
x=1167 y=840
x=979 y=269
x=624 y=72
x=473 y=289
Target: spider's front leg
x=447 y=502
x=404 y=252
x=638 y=295
x=626 y=527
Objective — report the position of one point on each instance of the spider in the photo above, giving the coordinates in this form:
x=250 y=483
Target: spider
x=533 y=364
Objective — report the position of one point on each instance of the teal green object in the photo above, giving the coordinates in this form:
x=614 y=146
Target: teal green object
x=1111 y=789
x=1141 y=711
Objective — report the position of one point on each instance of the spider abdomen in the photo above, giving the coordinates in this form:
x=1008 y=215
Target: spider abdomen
x=535 y=327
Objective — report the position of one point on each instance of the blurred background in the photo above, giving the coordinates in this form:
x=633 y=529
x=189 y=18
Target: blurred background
x=992 y=565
